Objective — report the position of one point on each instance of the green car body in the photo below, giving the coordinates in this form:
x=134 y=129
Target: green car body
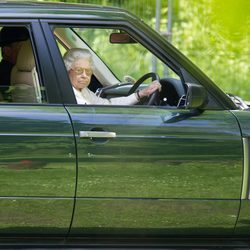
x=168 y=172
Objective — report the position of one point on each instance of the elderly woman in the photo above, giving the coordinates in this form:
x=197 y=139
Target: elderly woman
x=79 y=65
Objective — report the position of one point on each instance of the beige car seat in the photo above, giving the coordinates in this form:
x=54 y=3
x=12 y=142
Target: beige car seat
x=24 y=81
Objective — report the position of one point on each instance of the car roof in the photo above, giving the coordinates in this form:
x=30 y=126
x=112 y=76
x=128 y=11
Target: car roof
x=27 y=9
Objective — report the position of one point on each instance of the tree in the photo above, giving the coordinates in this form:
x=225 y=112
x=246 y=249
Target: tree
x=214 y=34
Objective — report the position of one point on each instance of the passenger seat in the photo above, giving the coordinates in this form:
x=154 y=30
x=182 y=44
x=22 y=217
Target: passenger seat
x=24 y=80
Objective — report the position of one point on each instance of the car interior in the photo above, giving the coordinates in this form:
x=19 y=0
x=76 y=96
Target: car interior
x=24 y=78
x=111 y=78
x=106 y=84
x=24 y=85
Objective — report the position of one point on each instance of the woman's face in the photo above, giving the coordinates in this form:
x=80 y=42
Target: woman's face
x=80 y=74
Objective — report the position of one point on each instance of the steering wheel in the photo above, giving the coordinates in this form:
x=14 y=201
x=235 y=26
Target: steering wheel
x=154 y=97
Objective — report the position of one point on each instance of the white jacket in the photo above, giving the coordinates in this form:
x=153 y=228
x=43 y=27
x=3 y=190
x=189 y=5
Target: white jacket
x=86 y=96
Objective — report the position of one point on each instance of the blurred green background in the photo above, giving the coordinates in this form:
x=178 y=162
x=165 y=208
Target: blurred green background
x=214 y=34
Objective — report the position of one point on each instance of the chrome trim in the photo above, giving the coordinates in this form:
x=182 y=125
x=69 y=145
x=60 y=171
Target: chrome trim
x=37 y=134
x=96 y=134
x=245 y=184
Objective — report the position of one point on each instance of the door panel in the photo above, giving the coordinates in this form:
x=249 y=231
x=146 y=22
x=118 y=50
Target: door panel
x=37 y=170
x=153 y=217
x=159 y=174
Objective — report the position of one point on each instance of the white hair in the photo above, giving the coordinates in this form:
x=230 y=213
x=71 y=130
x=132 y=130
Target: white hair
x=74 y=54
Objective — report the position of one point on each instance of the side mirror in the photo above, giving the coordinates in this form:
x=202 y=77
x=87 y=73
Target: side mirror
x=196 y=96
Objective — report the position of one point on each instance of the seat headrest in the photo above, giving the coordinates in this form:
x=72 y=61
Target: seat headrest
x=25 y=58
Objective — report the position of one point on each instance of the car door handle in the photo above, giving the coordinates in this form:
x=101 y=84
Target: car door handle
x=97 y=134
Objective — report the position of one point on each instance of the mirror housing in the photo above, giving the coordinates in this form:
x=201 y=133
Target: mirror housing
x=196 y=96
x=121 y=38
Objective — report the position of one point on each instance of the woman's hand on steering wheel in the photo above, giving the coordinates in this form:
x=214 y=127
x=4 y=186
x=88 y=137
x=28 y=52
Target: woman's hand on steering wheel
x=154 y=86
x=151 y=92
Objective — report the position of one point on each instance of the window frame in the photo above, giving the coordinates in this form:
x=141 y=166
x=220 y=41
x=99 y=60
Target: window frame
x=63 y=79
x=41 y=56
x=160 y=50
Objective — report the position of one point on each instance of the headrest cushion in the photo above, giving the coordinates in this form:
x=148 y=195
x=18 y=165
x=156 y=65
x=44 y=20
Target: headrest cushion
x=25 y=58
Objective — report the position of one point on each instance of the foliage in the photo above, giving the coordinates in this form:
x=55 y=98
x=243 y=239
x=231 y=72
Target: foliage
x=214 y=34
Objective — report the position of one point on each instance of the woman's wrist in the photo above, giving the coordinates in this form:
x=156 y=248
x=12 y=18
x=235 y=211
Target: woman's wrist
x=138 y=95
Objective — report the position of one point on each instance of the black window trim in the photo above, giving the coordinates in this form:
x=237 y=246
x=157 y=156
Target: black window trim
x=63 y=79
x=143 y=39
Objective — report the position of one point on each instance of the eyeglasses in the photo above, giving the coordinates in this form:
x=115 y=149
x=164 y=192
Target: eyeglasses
x=80 y=70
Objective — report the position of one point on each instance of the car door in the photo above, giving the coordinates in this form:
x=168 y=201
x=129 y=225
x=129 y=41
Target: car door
x=151 y=176
x=153 y=170
x=38 y=158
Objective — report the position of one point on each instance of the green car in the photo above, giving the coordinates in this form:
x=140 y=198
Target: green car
x=173 y=165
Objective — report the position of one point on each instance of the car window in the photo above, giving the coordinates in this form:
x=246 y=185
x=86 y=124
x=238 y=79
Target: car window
x=118 y=59
x=123 y=58
x=19 y=75
x=122 y=53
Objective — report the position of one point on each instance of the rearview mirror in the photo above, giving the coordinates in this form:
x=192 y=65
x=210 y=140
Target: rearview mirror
x=121 y=38
x=196 y=96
